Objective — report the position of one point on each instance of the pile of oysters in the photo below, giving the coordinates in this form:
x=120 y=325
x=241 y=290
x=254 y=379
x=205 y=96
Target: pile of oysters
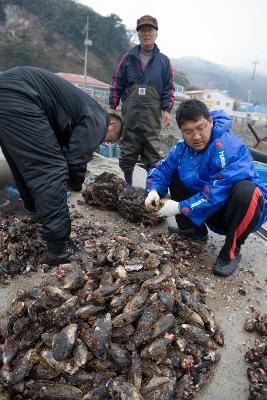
x=21 y=246
x=257 y=356
x=120 y=321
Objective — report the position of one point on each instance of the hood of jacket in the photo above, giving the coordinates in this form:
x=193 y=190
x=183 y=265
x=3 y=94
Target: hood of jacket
x=221 y=123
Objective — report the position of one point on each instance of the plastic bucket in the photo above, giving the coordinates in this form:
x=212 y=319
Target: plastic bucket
x=261 y=168
x=109 y=150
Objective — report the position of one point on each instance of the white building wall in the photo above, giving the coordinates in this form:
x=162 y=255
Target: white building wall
x=218 y=101
x=214 y=99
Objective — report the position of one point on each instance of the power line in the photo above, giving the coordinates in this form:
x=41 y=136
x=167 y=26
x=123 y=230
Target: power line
x=87 y=42
x=252 y=79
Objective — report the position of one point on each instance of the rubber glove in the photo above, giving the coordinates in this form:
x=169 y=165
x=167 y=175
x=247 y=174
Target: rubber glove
x=169 y=209
x=152 y=202
x=75 y=182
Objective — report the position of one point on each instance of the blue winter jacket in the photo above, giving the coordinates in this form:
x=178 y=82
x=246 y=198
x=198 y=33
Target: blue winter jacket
x=158 y=73
x=209 y=174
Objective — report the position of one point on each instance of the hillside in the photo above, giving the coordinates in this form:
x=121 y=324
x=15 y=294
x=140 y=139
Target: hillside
x=49 y=34
x=203 y=73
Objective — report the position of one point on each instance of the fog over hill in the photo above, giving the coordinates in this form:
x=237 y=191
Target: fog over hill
x=50 y=34
x=203 y=73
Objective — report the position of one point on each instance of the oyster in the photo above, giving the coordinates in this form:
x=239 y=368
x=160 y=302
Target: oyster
x=63 y=342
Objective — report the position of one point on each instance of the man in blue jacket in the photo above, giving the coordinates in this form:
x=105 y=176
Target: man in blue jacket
x=144 y=82
x=212 y=183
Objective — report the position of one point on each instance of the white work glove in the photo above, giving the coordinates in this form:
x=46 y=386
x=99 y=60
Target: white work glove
x=84 y=187
x=169 y=209
x=152 y=202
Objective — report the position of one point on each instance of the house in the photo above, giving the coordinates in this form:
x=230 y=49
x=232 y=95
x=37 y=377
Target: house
x=256 y=113
x=179 y=95
x=92 y=86
x=213 y=98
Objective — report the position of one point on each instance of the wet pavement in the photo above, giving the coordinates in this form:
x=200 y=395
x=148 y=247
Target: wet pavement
x=231 y=299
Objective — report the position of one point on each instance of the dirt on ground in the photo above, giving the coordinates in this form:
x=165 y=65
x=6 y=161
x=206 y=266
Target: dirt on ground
x=232 y=299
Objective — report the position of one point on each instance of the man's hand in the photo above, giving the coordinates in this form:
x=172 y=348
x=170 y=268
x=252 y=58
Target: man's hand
x=152 y=202
x=111 y=110
x=169 y=209
x=75 y=182
x=166 y=118
x=84 y=187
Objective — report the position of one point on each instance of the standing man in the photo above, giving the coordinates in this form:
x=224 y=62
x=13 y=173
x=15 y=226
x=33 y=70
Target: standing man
x=212 y=181
x=144 y=82
x=49 y=130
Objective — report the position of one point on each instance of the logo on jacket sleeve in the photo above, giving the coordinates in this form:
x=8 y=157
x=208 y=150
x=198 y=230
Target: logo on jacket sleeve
x=197 y=203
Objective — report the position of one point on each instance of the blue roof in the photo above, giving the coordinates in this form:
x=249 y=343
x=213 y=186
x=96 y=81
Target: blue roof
x=253 y=108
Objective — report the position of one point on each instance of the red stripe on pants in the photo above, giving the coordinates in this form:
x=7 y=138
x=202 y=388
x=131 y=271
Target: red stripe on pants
x=246 y=221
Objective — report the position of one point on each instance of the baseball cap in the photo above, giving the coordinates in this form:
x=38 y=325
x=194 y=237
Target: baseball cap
x=146 y=20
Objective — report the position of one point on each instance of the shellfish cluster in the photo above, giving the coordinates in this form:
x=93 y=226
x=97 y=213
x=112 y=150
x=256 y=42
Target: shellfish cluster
x=257 y=356
x=110 y=192
x=118 y=322
x=21 y=246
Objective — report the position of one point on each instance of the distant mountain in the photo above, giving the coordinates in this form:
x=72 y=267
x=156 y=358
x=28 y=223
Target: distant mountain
x=203 y=73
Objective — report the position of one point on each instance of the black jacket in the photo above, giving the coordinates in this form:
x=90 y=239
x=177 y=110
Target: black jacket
x=78 y=121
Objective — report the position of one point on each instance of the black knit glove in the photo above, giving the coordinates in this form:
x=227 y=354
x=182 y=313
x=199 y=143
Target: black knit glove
x=75 y=182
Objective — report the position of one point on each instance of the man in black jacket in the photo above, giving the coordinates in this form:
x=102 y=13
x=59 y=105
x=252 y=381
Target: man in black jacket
x=49 y=130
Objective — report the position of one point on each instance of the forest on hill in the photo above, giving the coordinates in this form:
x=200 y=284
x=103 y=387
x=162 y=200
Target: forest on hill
x=50 y=34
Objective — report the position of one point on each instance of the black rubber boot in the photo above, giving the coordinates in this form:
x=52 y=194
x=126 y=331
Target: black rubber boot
x=34 y=219
x=59 y=252
x=198 y=233
x=128 y=176
x=225 y=267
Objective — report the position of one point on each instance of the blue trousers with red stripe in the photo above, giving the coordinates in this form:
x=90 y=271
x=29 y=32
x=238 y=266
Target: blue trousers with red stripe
x=236 y=220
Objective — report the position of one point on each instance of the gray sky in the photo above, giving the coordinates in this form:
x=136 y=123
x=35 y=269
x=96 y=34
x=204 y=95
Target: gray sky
x=229 y=32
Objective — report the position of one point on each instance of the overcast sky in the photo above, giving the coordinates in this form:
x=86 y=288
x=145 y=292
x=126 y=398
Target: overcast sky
x=229 y=32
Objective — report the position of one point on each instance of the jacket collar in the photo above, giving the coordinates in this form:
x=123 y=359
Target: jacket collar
x=136 y=50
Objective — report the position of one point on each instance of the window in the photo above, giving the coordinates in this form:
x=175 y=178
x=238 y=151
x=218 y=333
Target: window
x=227 y=104
x=101 y=93
x=218 y=103
x=88 y=91
x=208 y=96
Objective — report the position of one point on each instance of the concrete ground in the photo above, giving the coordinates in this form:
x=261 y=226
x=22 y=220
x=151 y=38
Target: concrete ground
x=224 y=297
x=231 y=299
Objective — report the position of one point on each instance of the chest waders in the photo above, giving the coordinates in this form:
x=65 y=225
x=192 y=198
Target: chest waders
x=141 y=112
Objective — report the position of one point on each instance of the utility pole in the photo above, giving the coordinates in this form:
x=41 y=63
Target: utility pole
x=252 y=79
x=87 y=42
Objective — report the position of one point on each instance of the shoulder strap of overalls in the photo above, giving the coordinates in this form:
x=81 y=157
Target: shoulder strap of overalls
x=135 y=71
